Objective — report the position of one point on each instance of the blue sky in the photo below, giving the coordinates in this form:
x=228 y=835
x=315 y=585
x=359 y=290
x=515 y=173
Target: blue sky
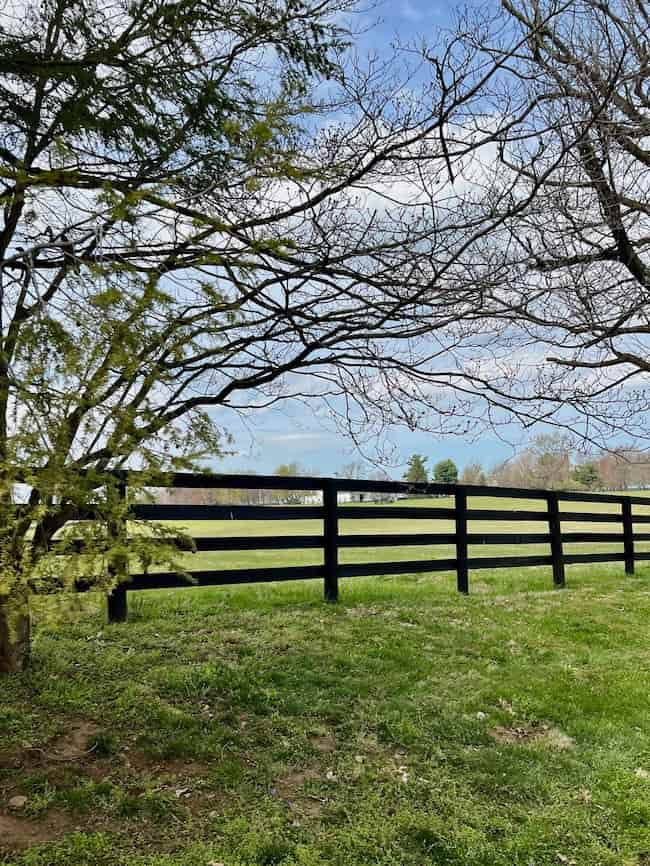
x=323 y=453
x=410 y=18
x=266 y=439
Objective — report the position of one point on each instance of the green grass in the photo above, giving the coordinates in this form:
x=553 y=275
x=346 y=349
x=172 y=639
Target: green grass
x=257 y=726
x=259 y=559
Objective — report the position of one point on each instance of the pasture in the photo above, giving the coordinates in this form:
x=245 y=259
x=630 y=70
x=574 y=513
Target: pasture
x=407 y=725
x=268 y=558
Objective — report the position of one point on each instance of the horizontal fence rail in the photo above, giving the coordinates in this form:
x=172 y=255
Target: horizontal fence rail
x=554 y=529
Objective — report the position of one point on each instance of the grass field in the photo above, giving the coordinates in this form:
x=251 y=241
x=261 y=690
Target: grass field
x=259 y=559
x=257 y=726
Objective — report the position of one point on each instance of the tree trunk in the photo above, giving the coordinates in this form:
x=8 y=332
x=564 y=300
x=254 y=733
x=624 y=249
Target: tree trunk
x=15 y=635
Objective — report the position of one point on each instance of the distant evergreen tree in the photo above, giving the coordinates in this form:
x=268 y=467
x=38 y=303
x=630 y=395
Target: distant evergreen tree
x=587 y=475
x=416 y=471
x=445 y=472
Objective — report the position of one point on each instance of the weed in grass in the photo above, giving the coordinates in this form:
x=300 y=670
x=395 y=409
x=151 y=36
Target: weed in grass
x=87 y=797
x=103 y=744
x=229 y=772
x=150 y=804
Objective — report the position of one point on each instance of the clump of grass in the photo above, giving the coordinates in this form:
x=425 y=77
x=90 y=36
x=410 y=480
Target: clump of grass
x=103 y=744
x=150 y=804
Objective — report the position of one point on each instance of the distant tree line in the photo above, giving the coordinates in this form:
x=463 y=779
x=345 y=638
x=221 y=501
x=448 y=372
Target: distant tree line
x=549 y=462
x=232 y=496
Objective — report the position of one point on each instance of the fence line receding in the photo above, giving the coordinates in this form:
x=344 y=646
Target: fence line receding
x=331 y=542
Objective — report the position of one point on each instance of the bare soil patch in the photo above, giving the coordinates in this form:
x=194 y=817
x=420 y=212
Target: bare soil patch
x=525 y=734
x=71 y=747
x=290 y=789
x=324 y=743
x=19 y=833
x=288 y=786
x=75 y=743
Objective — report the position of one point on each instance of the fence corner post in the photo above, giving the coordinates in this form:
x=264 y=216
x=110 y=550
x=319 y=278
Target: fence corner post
x=116 y=603
x=462 y=569
x=628 y=535
x=555 y=532
x=331 y=542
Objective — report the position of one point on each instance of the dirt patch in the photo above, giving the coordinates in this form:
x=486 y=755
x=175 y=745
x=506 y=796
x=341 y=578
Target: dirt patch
x=165 y=767
x=503 y=734
x=324 y=743
x=308 y=807
x=557 y=739
x=290 y=789
x=524 y=734
x=289 y=786
x=361 y=612
x=56 y=758
x=75 y=743
x=10 y=761
x=19 y=833
x=72 y=747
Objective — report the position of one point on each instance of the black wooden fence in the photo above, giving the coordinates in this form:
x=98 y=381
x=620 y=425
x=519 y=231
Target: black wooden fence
x=330 y=542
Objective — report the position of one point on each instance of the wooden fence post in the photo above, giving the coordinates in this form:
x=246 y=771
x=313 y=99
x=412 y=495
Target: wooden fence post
x=555 y=531
x=117 y=605
x=331 y=542
x=462 y=571
x=628 y=535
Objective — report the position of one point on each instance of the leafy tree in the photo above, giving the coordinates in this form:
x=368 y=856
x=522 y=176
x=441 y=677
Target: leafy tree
x=551 y=465
x=445 y=472
x=207 y=208
x=289 y=470
x=133 y=143
x=587 y=475
x=416 y=471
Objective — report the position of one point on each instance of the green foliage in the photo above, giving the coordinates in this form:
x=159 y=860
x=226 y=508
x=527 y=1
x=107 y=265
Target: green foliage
x=445 y=472
x=587 y=476
x=126 y=133
x=97 y=552
x=416 y=470
x=289 y=469
x=103 y=744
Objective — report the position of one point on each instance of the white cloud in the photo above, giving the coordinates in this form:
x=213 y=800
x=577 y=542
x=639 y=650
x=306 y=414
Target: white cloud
x=279 y=438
